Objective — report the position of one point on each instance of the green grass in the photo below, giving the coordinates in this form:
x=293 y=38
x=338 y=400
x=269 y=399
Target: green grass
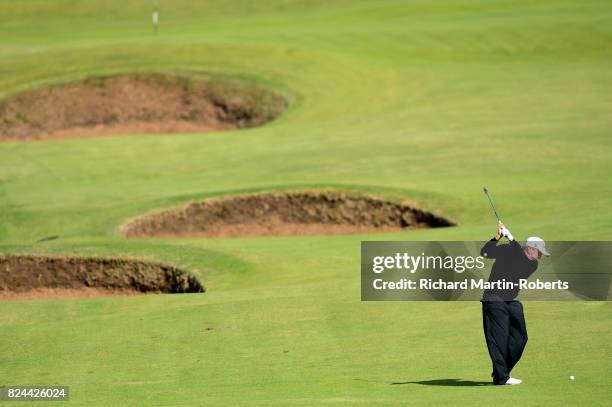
x=421 y=100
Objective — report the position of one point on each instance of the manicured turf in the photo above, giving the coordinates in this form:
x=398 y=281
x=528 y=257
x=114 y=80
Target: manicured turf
x=425 y=101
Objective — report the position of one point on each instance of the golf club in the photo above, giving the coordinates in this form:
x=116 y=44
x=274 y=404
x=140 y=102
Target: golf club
x=486 y=191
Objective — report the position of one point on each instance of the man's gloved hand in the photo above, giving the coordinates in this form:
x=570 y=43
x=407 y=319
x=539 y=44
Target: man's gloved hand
x=503 y=231
x=506 y=233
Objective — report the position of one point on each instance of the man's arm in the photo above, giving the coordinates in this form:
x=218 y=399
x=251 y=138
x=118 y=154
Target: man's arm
x=491 y=250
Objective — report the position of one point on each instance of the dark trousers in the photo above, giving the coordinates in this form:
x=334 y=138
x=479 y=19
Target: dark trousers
x=506 y=335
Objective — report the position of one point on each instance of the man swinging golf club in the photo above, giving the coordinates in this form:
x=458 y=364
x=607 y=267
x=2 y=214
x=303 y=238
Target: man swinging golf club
x=502 y=315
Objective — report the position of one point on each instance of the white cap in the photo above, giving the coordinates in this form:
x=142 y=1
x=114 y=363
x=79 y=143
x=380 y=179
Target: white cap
x=537 y=243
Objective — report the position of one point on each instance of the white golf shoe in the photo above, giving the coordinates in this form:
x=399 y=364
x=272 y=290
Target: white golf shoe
x=512 y=381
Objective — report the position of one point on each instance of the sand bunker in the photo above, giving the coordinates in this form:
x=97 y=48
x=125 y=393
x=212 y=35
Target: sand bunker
x=292 y=213
x=42 y=276
x=136 y=104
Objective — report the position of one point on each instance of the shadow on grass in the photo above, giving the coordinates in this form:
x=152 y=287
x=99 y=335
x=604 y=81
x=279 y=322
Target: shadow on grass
x=448 y=382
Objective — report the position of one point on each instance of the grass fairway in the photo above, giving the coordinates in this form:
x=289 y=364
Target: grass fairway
x=422 y=100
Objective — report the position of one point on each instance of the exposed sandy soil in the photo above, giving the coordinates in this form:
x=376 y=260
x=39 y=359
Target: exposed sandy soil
x=26 y=277
x=281 y=214
x=135 y=104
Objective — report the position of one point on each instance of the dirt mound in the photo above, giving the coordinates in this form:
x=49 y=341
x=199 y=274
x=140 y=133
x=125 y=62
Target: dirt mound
x=128 y=104
x=43 y=276
x=292 y=213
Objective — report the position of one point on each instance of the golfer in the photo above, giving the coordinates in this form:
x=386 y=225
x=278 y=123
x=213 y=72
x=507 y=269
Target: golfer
x=502 y=315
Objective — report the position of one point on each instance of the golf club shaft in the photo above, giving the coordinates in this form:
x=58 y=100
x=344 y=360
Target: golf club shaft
x=486 y=191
